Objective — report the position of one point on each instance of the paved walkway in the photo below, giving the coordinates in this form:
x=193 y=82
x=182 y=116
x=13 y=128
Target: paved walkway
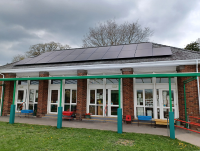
x=180 y=134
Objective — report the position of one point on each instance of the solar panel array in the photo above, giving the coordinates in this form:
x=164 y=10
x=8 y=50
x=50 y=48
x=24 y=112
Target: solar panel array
x=99 y=53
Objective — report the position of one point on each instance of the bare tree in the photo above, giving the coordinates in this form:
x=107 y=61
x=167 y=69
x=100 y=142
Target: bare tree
x=110 y=33
x=40 y=48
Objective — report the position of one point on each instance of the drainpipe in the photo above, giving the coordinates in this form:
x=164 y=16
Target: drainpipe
x=1 y=105
x=198 y=84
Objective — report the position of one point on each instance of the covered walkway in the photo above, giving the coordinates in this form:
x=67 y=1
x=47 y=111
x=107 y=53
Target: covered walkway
x=182 y=135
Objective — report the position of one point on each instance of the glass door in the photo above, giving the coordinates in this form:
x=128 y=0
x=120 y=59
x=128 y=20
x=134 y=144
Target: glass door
x=113 y=103
x=54 y=101
x=33 y=100
x=21 y=100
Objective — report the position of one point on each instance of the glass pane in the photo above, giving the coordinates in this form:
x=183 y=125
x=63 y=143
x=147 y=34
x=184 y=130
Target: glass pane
x=67 y=95
x=114 y=97
x=148 y=97
x=99 y=96
x=149 y=112
x=139 y=97
x=31 y=95
x=34 y=82
x=99 y=110
x=35 y=108
x=166 y=101
x=19 y=107
x=143 y=80
x=139 y=111
x=164 y=80
x=54 y=96
x=20 y=95
x=66 y=107
x=53 y=108
x=92 y=109
x=112 y=81
x=157 y=97
x=22 y=82
x=55 y=81
x=114 y=110
x=158 y=113
x=30 y=106
x=70 y=81
x=166 y=112
x=73 y=96
x=73 y=108
x=92 y=96
x=96 y=81
x=36 y=96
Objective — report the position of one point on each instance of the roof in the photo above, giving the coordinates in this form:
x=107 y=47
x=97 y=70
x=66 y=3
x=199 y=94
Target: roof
x=177 y=54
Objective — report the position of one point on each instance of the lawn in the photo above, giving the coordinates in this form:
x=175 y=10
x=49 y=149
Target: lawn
x=36 y=137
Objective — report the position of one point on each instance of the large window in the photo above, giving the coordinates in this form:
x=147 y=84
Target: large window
x=143 y=80
x=33 y=100
x=70 y=100
x=96 y=102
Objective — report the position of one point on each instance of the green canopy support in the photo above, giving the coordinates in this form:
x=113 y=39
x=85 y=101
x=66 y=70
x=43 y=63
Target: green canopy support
x=12 y=109
x=184 y=83
x=3 y=88
x=171 y=114
x=59 y=119
x=119 y=110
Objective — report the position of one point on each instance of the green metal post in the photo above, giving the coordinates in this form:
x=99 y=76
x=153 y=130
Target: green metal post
x=119 y=110
x=12 y=109
x=59 y=119
x=171 y=114
x=3 y=88
x=185 y=105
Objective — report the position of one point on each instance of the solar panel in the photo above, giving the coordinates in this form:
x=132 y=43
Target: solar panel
x=45 y=59
x=102 y=49
x=111 y=55
x=90 y=50
x=116 y=48
x=83 y=57
x=130 y=47
x=143 y=53
x=55 y=53
x=77 y=51
x=34 y=60
x=95 y=56
x=69 y=58
x=162 y=51
x=23 y=61
x=144 y=46
x=127 y=54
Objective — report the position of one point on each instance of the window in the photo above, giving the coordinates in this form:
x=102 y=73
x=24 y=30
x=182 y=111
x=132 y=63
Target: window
x=164 y=80
x=22 y=82
x=70 y=100
x=33 y=100
x=70 y=81
x=96 y=81
x=34 y=82
x=112 y=81
x=143 y=80
x=55 y=81
x=96 y=102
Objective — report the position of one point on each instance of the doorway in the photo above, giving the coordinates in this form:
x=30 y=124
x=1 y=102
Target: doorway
x=54 y=100
x=21 y=100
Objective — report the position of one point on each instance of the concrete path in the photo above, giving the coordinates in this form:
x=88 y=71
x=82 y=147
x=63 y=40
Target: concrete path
x=180 y=134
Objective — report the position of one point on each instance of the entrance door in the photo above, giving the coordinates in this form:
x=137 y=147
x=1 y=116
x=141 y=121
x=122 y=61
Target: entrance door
x=21 y=100
x=54 y=100
x=112 y=103
x=163 y=111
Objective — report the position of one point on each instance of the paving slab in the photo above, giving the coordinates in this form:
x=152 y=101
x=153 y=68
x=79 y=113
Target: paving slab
x=180 y=134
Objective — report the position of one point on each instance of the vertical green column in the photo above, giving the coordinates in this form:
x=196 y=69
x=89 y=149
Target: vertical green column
x=12 y=109
x=3 y=88
x=119 y=111
x=185 y=104
x=59 y=119
x=171 y=114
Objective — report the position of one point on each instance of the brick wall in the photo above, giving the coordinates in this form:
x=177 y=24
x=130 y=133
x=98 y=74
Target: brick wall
x=191 y=94
x=42 y=95
x=81 y=95
x=8 y=95
x=127 y=90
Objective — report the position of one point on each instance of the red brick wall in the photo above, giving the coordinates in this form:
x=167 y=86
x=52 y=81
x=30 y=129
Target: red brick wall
x=81 y=95
x=127 y=90
x=191 y=94
x=8 y=95
x=42 y=95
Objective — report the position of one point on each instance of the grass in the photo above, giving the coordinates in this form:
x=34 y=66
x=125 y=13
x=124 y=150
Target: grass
x=36 y=137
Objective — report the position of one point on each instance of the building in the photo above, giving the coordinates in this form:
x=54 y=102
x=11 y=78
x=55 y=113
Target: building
x=140 y=96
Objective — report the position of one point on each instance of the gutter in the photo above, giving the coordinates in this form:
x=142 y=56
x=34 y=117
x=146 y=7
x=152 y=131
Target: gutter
x=198 y=84
x=2 y=92
x=102 y=66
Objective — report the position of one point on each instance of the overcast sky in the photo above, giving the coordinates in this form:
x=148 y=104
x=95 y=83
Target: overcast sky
x=28 y=22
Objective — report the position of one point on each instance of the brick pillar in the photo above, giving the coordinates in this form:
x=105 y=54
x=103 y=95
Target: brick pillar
x=8 y=94
x=42 y=95
x=127 y=89
x=81 y=95
x=191 y=94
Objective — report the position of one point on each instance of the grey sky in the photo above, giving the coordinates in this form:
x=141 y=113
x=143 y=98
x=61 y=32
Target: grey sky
x=27 y=22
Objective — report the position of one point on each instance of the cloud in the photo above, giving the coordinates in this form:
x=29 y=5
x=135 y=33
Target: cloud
x=24 y=23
